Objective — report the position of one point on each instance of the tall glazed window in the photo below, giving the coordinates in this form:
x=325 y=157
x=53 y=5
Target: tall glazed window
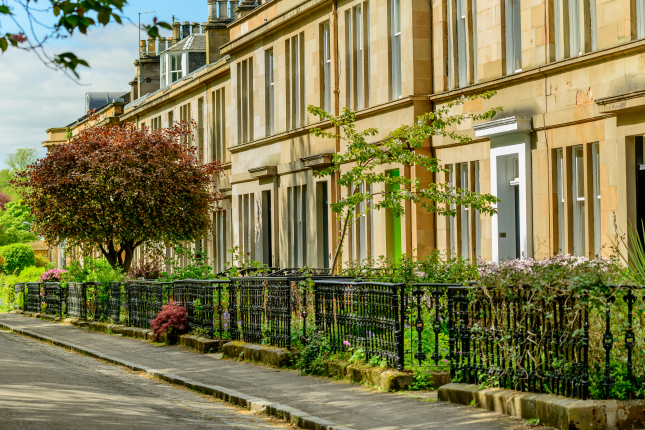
x=560 y=190
x=595 y=156
x=269 y=89
x=395 y=13
x=578 y=201
x=326 y=67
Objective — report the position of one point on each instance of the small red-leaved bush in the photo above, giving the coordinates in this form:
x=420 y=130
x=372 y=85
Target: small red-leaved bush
x=172 y=317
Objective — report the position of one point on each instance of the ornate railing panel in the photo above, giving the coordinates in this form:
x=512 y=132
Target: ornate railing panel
x=53 y=298
x=203 y=301
x=76 y=300
x=249 y=308
x=145 y=299
x=114 y=305
x=34 y=299
x=279 y=307
x=365 y=315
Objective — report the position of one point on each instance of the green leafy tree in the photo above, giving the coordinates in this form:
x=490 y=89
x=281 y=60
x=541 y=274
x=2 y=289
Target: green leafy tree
x=70 y=16
x=15 y=224
x=17 y=256
x=117 y=188
x=361 y=164
x=15 y=162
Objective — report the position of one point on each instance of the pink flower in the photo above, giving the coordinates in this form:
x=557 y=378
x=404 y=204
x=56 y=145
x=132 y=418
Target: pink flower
x=346 y=343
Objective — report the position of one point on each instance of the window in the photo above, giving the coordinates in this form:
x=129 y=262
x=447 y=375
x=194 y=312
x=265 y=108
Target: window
x=578 y=188
x=155 y=123
x=268 y=76
x=164 y=71
x=640 y=18
x=171 y=119
x=295 y=58
x=464 y=213
x=322 y=215
x=221 y=239
x=218 y=141
x=595 y=155
x=176 y=70
x=297 y=207
x=393 y=224
x=361 y=232
x=575 y=27
x=560 y=185
x=450 y=221
x=461 y=42
x=513 y=37
x=267 y=230
x=245 y=100
x=246 y=212
x=326 y=67
x=395 y=16
x=200 y=128
x=357 y=45
x=478 y=221
x=184 y=117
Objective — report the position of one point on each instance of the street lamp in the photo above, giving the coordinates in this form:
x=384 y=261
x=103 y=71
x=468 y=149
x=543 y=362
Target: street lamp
x=138 y=41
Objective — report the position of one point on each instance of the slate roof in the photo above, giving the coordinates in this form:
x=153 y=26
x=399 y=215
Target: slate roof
x=194 y=42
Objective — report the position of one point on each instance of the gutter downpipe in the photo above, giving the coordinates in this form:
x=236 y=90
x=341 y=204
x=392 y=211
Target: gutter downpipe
x=335 y=188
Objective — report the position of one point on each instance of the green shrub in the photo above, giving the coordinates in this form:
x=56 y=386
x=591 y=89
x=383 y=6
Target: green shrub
x=313 y=358
x=17 y=256
x=8 y=282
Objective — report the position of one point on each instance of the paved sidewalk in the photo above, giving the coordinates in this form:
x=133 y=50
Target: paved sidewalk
x=351 y=405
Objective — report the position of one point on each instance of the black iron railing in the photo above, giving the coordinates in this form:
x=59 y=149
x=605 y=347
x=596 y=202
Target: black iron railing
x=53 y=298
x=204 y=300
x=145 y=299
x=76 y=301
x=34 y=299
x=362 y=315
x=115 y=302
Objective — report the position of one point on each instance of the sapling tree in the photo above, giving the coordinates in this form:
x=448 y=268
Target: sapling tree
x=117 y=188
x=362 y=163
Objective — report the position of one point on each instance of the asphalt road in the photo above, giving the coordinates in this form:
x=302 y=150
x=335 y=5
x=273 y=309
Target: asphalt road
x=46 y=387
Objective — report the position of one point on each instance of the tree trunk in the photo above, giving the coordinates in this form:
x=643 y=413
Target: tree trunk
x=121 y=259
x=342 y=237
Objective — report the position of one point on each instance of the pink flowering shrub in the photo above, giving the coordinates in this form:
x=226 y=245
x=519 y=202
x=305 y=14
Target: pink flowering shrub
x=52 y=275
x=172 y=318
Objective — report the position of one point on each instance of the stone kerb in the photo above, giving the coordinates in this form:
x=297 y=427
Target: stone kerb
x=554 y=411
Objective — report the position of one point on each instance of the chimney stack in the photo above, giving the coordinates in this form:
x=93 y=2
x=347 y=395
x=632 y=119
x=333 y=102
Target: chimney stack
x=185 y=29
x=170 y=42
x=151 y=46
x=196 y=29
x=176 y=32
x=142 y=48
x=215 y=29
x=162 y=45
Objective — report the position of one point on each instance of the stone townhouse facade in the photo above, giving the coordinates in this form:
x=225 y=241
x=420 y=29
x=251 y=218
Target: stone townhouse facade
x=564 y=157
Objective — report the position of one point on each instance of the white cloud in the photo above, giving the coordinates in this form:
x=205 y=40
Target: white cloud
x=34 y=98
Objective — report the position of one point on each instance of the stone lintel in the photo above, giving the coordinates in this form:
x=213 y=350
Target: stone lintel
x=622 y=103
x=318 y=161
x=503 y=126
x=263 y=172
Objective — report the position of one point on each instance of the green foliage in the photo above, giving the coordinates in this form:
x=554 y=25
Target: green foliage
x=70 y=16
x=314 y=356
x=17 y=256
x=15 y=223
x=197 y=266
x=358 y=357
x=363 y=162
x=636 y=253
x=422 y=381
x=533 y=422
x=244 y=263
x=7 y=283
x=15 y=162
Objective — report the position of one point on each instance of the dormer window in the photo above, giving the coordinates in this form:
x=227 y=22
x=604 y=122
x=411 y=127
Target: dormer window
x=176 y=70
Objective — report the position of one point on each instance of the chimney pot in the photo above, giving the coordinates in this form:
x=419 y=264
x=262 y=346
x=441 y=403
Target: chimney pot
x=151 y=46
x=142 y=48
x=162 y=45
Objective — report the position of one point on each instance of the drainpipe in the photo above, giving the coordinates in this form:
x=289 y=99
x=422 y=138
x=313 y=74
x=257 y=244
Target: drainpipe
x=336 y=195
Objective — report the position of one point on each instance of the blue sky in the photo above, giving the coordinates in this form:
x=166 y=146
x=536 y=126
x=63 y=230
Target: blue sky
x=34 y=98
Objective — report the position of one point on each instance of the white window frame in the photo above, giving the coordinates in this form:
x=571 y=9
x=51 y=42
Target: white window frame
x=175 y=74
x=513 y=36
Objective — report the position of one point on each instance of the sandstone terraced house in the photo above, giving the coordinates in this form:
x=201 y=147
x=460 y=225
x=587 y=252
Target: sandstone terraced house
x=566 y=156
